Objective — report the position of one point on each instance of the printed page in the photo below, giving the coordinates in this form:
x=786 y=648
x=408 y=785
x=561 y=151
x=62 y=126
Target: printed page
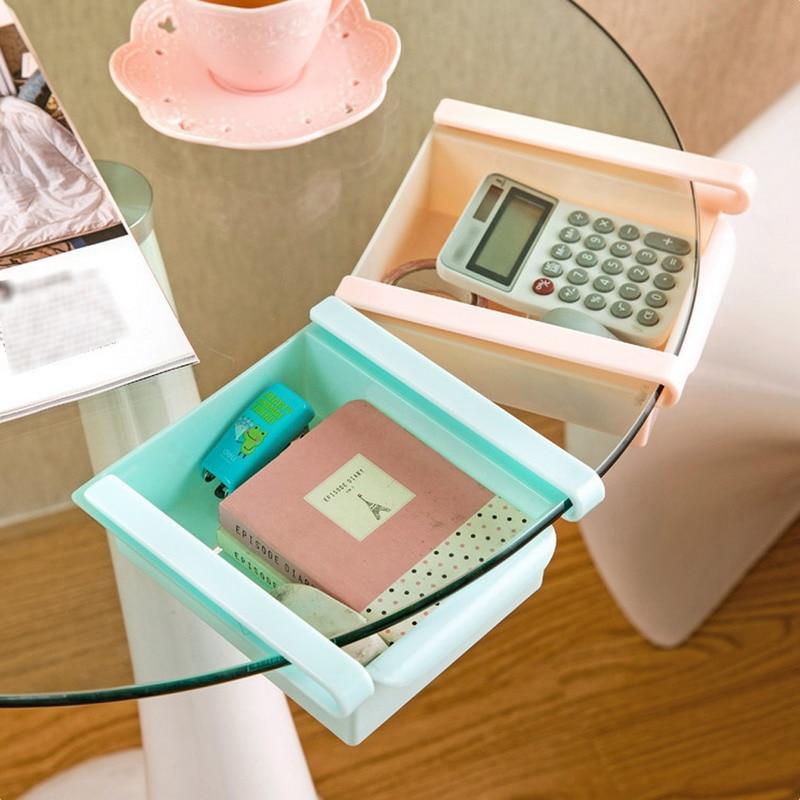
x=80 y=311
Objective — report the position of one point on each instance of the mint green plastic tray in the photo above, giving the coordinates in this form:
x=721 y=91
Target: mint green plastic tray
x=165 y=518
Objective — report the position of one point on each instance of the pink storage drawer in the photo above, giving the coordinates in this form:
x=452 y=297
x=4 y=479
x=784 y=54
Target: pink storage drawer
x=566 y=374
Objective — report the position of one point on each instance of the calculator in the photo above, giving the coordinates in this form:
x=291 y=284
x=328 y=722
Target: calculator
x=534 y=253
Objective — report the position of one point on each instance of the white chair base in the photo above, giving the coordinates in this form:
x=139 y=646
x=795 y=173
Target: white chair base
x=687 y=516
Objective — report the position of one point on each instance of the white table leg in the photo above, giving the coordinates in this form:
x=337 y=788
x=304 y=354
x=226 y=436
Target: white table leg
x=234 y=740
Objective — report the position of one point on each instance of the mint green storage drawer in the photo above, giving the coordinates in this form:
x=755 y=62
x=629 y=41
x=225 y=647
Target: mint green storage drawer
x=155 y=502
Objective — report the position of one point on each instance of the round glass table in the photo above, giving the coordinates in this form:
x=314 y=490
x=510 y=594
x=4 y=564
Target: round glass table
x=251 y=241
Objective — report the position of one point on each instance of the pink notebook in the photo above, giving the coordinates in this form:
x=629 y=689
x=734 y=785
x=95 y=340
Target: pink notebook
x=352 y=506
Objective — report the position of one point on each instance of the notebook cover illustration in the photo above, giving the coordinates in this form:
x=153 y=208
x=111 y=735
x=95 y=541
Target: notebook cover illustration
x=352 y=506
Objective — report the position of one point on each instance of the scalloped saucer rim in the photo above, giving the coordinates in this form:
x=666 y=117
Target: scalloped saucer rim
x=134 y=48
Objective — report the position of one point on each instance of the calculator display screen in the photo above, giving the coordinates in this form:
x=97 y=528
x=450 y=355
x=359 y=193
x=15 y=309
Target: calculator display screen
x=511 y=233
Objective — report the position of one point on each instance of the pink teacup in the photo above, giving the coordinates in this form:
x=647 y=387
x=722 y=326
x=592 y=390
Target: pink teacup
x=256 y=49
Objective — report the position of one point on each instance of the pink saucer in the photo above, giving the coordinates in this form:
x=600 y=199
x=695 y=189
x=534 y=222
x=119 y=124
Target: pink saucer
x=175 y=94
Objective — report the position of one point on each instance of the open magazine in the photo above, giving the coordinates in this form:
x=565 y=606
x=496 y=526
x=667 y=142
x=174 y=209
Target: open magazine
x=80 y=311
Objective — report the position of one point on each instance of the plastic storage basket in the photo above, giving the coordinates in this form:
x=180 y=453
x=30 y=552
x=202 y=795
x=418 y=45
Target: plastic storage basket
x=566 y=374
x=156 y=504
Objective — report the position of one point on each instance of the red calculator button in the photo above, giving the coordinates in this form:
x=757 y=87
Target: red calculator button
x=543 y=286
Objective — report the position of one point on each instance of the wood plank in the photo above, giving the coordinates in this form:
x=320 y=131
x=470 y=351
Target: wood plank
x=62 y=627
x=38 y=743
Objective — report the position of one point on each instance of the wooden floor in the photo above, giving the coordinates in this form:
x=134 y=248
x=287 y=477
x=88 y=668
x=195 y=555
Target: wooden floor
x=562 y=700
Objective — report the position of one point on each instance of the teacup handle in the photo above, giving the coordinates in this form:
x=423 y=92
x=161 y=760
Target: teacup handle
x=337 y=6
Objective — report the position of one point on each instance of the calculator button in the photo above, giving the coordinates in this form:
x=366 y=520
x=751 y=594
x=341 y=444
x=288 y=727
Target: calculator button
x=621 y=309
x=594 y=301
x=646 y=257
x=578 y=218
x=672 y=264
x=569 y=294
x=612 y=266
x=648 y=317
x=655 y=299
x=669 y=244
x=586 y=259
x=560 y=251
x=638 y=274
x=577 y=276
x=603 y=283
x=543 y=286
x=569 y=234
x=603 y=225
x=594 y=242
x=664 y=281
x=630 y=291
x=620 y=249
x=552 y=269
x=629 y=233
